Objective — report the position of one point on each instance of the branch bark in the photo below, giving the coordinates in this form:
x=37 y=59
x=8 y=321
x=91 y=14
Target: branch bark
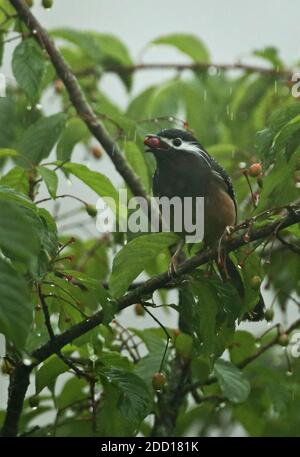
x=285 y=73
x=53 y=346
x=78 y=99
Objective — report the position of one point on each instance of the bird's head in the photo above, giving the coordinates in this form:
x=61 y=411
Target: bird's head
x=173 y=143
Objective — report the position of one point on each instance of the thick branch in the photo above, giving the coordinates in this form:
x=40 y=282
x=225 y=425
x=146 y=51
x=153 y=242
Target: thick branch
x=78 y=99
x=135 y=296
x=157 y=282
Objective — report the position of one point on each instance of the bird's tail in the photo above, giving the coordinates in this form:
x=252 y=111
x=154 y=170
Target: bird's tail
x=257 y=314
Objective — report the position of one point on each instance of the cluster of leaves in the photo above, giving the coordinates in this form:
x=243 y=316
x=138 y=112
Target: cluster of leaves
x=40 y=266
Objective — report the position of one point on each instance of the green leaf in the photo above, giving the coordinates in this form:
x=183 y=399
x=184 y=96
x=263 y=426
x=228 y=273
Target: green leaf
x=16 y=309
x=188 y=44
x=156 y=344
x=19 y=236
x=242 y=346
x=50 y=178
x=271 y=55
x=16 y=178
x=49 y=371
x=72 y=392
x=103 y=49
x=93 y=179
x=234 y=385
x=137 y=254
x=74 y=132
x=39 y=140
x=135 y=400
x=206 y=312
x=28 y=66
x=137 y=162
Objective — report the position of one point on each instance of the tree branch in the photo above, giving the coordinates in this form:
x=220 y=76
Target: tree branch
x=78 y=99
x=148 y=287
x=287 y=73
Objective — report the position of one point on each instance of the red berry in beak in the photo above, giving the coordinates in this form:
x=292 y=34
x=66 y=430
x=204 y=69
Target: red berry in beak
x=152 y=141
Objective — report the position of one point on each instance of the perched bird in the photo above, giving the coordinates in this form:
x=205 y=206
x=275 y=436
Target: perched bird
x=185 y=169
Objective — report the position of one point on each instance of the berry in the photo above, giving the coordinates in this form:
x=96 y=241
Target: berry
x=58 y=86
x=139 y=309
x=158 y=381
x=283 y=340
x=269 y=315
x=97 y=152
x=255 y=170
x=34 y=401
x=47 y=4
x=255 y=282
x=91 y=210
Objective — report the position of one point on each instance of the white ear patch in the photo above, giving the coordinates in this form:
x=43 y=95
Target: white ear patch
x=189 y=147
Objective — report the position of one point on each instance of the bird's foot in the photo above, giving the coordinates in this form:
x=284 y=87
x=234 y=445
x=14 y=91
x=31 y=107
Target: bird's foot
x=174 y=263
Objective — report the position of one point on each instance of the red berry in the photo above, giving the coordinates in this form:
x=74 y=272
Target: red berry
x=58 y=86
x=97 y=151
x=158 y=381
x=255 y=170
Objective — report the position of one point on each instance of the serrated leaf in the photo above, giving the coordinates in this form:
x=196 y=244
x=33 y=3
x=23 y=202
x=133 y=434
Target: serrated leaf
x=188 y=44
x=50 y=179
x=233 y=383
x=19 y=238
x=135 y=399
x=16 y=309
x=93 y=179
x=28 y=66
x=137 y=254
x=40 y=138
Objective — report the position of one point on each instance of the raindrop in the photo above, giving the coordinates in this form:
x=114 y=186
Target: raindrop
x=242 y=165
x=212 y=355
x=222 y=405
x=289 y=373
x=297 y=185
x=34 y=31
x=34 y=408
x=27 y=361
x=156 y=121
x=171 y=119
x=38 y=106
x=28 y=107
x=258 y=344
x=212 y=71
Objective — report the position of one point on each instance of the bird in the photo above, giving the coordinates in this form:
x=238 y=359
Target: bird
x=184 y=168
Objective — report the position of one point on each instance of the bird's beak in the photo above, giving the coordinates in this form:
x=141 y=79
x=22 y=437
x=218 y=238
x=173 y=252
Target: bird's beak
x=153 y=142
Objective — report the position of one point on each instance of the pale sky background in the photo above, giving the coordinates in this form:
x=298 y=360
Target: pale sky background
x=231 y=29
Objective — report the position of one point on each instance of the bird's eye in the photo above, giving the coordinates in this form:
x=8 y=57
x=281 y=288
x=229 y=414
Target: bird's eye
x=177 y=142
